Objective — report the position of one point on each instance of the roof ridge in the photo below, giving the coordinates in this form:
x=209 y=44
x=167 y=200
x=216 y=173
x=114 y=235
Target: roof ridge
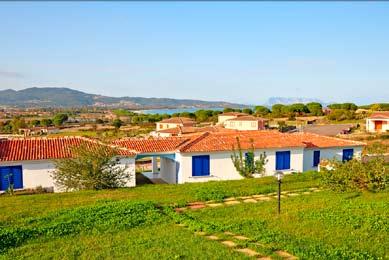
x=192 y=142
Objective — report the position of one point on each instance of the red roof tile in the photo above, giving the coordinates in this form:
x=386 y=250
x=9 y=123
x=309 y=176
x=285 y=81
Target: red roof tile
x=380 y=115
x=247 y=118
x=233 y=114
x=178 y=120
x=47 y=148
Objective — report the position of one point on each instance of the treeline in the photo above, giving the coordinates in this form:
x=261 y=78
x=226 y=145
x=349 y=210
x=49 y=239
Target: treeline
x=13 y=126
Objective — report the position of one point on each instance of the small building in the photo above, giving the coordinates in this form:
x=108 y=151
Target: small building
x=29 y=162
x=221 y=118
x=188 y=130
x=207 y=156
x=246 y=123
x=328 y=130
x=175 y=122
x=378 y=122
x=34 y=131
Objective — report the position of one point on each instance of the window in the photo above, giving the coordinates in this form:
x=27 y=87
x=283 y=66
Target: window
x=253 y=124
x=200 y=165
x=240 y=123
x=283 y=160
x=232 y=124
x=347 y=154
x=316 y=158
x=249 y=156
x=11 y=175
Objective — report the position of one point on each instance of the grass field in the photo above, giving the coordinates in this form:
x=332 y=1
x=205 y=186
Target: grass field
x=138 y=224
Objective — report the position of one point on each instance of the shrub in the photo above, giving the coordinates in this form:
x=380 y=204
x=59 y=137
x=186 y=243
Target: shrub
x=356 y=175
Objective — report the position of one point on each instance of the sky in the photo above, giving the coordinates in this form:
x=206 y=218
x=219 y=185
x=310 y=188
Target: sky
x=241 y=52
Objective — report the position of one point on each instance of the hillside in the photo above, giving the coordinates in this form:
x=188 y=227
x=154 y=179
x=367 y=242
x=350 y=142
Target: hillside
x=65 y=97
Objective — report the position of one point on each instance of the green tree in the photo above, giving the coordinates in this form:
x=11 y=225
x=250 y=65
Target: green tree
x=59 y=119
x=228 y=109
x=17 y=123
x=246 y=165
x=278 y=110
x=90 y=168
x=315 y=108
x=117 y=123
x=46 y=122
x=261 y=110
x=35 y=123
x=298 y=108
x=203 y=115
x=247 y=111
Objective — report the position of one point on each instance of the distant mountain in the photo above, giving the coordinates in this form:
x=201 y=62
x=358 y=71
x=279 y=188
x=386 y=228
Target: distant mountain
x=291 y=100
x=65 y=97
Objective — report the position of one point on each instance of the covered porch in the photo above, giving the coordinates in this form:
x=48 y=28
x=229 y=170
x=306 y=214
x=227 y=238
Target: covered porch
x=163 y=168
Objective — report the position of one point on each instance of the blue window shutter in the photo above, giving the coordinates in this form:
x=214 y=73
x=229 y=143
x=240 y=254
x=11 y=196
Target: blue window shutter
x=316 y=158
x=347 y=154
x=286 y=160
x=4 y=172
x=200 y=165
x=17 y=177
x=283 y=160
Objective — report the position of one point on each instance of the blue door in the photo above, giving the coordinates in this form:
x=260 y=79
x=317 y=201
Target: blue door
x=316 y=158
x=283 y=160
x=11 y=175
x=347 y=154
x=200 y=165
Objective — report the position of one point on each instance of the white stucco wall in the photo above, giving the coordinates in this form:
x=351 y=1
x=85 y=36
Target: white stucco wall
x=222 y=168
x=162 y=126
x=328 y=153
x=221 y=118
x=38 y=173
x=241 y=125
x=168 y=170
x=370 y=125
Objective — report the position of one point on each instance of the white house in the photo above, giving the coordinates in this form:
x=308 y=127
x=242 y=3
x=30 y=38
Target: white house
x=28 y=163
x=221 y=118
x=245 y=123
x=378 y=122
x=175 y=122
x=207 y=156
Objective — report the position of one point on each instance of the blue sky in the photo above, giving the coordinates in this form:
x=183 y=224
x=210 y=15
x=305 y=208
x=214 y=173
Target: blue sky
x=242 y=52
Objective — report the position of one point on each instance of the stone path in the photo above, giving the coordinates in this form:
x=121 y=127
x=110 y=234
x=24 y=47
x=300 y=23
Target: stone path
x=246 y=199
x=232 y=240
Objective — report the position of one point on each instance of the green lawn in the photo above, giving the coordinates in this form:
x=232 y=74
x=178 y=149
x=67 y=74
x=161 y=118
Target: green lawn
x=139 y=223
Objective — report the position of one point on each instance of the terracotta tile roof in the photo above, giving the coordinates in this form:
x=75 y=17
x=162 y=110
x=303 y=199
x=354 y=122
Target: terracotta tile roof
x=27 y=149
x=380 y=115
x=247 y=118
x=166 y=144
x=233 y=114
x=178 y=120
x=311 y=140
x=209 y=142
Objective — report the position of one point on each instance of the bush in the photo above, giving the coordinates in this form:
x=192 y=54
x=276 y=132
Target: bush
x=356 y=175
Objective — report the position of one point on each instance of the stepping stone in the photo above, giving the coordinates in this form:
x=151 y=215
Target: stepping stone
x=229 y=243
x=293 y=194
x=241 y=237
x=232 y=202
x=284 y=192
x=250 y=201
x=264 y=258
x=178 y=210
x=212 y=205
x=199 y=206
x=200 y=233
x=264 y=198
x=229 y=199
x=196 y=203
x=245 y=197
x=306 y=192
x=212 y=237
x=181 y=225
x=247 y=251
x=282 y=196
x=258 y=196
x=316 y=190
x=285 y=255
x=229 y=233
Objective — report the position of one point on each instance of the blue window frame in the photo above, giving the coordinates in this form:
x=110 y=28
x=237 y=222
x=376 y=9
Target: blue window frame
x=200 y=165
x=316 y=158
x=283 y=160
x=347 y=154
x=11 y=175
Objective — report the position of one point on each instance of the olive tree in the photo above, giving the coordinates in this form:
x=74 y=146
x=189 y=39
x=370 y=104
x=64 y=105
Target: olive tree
x=90 y=168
